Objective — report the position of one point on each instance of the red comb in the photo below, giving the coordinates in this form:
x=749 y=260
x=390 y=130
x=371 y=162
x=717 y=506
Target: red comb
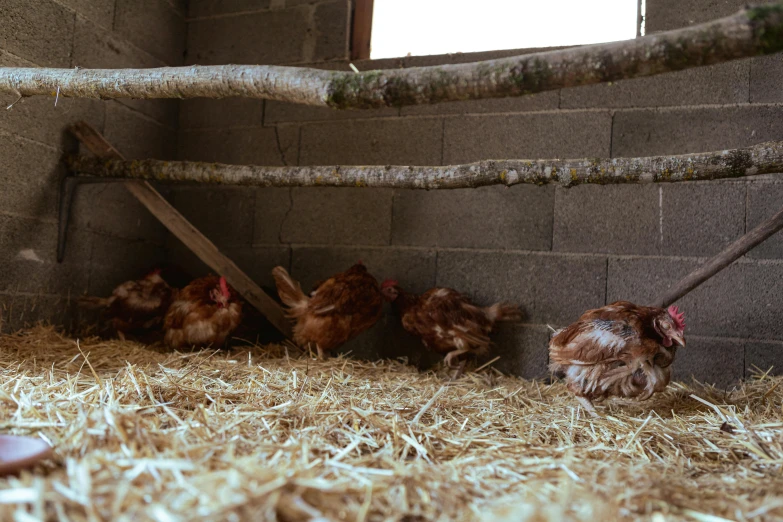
x=224 y=287
x=360 y=262
x=679 y=317
x=388 y=283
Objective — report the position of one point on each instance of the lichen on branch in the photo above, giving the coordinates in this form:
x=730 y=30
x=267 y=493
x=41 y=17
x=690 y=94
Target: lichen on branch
x=765 y=158
x=751 y=32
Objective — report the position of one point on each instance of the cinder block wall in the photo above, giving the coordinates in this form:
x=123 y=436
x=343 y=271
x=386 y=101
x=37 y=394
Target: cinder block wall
x=111 y=237
x=555 y=251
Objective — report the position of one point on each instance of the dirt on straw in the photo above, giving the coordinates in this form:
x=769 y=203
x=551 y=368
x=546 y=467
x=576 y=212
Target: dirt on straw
x=261 y=434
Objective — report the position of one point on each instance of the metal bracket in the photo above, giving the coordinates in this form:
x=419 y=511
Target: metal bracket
x=68 y=187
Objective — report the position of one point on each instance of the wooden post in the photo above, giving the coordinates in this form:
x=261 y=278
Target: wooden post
x=187 y=233
x=361 y=32
x=730 y=254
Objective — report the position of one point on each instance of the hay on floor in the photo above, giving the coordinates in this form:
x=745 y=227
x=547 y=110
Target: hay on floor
x=263 y=434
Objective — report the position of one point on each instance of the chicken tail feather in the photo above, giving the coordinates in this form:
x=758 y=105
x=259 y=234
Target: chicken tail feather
x=289 y=290
x=504 y=312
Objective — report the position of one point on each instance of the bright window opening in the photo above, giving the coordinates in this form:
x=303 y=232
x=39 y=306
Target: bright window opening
x=424 y=27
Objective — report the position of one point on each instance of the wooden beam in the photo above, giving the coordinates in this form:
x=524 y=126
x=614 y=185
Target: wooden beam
x=730 y=254
x=361 y=29
x=187 y=233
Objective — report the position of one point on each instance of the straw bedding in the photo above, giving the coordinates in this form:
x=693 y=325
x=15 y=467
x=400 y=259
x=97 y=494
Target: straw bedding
x=265 y=433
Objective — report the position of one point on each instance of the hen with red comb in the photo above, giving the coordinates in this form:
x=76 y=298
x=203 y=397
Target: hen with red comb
x=336 y=311
x=205 y=313
x=619 y=350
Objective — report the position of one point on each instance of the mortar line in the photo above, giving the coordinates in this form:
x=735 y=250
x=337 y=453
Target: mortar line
x=73 y=38
x=443 y=141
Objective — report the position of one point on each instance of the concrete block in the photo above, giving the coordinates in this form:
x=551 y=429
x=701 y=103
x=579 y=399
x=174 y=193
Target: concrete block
x=205 y=113
x=153 y=25
x=534 y=102
x=552 y=289
x=373 y=142
x=533 y=136
x=110 y=209
x=387 y=339
x=237 y=39
x=725 y=83
x=28 y=249
x=42 y=35
x=272 y=207
x=355 y=216
x=11 y=60
x=115 y=261
x=764 y=200
x=741 y=301
x=332 y=29
x=680 y=131
x=223 y=214
x=201 y=8
x=719 y=362
x=257 y=262
x=414 y=269
x=137 y=136
x=663 y=15
x=98 y=48
x=765 y=75
x=700 y=219
x=249 y=146
x=588 y=218
x=761 y=356
x=522 y=349
x=25 y=311
x=38 y=119
x=29 y=177
x=286 y=112
x=100 y=12
x=518 y=217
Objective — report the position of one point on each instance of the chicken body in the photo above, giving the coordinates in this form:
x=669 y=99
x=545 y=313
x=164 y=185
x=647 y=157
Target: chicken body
x=446 y=321
x=338 y=310
x=204 y=313
x=136 y=308
x=621 y=350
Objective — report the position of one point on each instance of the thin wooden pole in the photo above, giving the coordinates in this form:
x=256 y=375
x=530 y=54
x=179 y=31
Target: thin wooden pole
x=183 y=230
x=730 y=254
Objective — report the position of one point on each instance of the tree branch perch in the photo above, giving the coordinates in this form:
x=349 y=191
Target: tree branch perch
x=751 y=32
x=765 y=158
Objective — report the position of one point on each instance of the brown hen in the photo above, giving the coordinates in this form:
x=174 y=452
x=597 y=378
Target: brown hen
x=136 y=309
x=338 y=310
x=205 y=313
x=446 y=321
x=620 y=350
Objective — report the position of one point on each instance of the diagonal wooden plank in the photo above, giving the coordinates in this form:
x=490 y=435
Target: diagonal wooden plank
x=187 y=233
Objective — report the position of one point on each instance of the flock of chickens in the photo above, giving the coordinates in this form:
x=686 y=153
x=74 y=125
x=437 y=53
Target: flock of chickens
x=621 y=349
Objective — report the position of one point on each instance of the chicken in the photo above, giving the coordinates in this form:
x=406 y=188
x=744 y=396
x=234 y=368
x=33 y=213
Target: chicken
x=338 y=310
x=205 y=313
x=621 y=350
x=446 y=321
x=136 y=308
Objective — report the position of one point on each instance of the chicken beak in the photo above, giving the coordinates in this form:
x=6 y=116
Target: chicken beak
x=679 y=338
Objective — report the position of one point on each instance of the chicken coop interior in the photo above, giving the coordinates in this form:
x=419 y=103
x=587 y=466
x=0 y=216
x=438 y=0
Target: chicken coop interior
x=366 y=353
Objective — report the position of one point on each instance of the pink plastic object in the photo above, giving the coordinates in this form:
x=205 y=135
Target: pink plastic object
x=17 y=453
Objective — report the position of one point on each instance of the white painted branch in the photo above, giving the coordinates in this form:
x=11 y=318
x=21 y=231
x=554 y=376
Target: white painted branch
x=765 y=158
x=751 y=32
